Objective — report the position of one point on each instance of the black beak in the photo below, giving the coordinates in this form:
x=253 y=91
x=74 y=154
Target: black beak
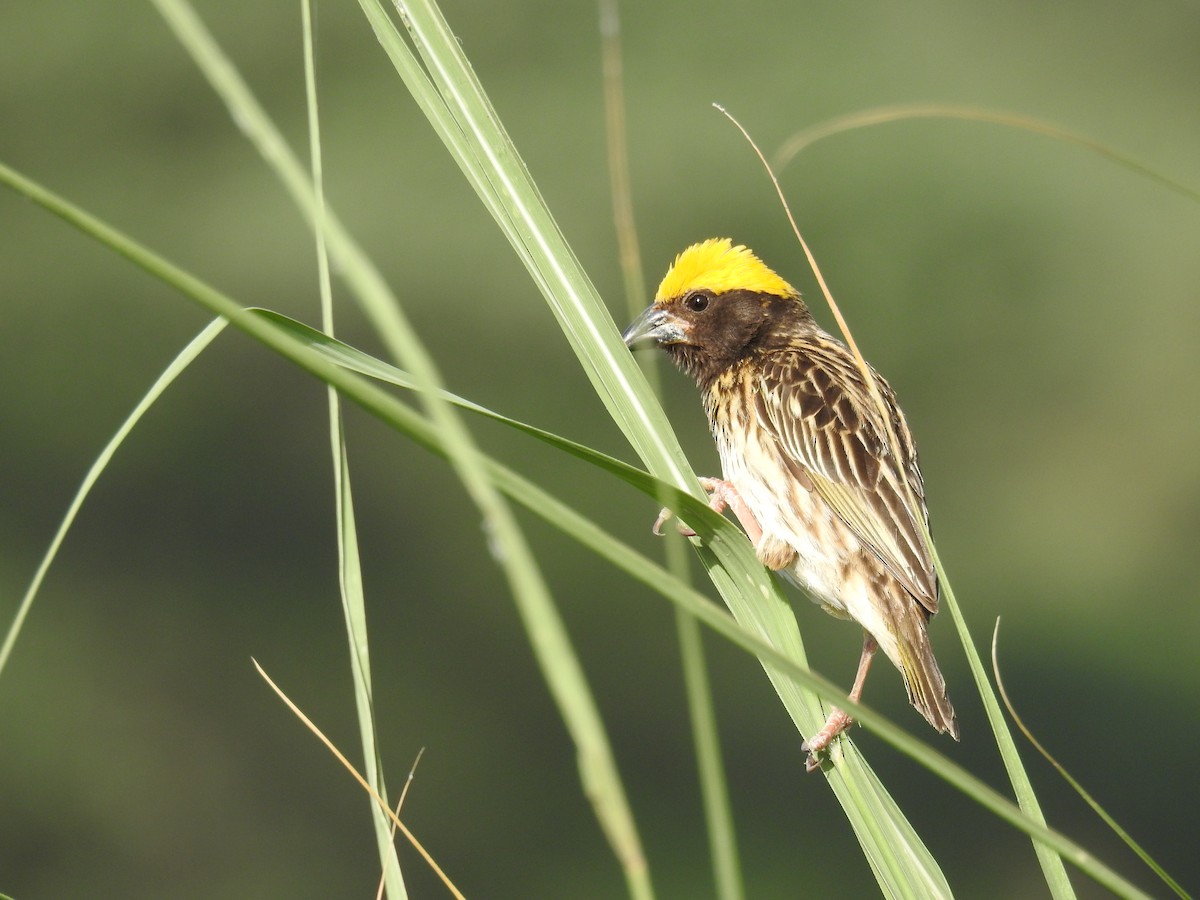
x=655 y=324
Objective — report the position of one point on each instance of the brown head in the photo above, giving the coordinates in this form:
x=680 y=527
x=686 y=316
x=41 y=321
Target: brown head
x=717 y=305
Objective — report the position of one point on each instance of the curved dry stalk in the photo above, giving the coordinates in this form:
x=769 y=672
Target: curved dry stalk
x=349 y=766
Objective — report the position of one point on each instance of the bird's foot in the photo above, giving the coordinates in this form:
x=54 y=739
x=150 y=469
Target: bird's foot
x=722 y=495
x=837 y=722
x=665 y=514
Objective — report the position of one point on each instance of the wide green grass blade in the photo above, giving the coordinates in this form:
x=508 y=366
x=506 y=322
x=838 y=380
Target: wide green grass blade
x=452 y=98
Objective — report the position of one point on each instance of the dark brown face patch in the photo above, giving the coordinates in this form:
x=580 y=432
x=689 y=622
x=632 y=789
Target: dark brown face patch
x=725 y=328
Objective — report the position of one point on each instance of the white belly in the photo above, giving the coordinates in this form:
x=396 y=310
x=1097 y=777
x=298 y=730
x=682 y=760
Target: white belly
x=826 y=550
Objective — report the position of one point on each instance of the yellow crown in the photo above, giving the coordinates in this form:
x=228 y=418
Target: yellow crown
x=717 y=265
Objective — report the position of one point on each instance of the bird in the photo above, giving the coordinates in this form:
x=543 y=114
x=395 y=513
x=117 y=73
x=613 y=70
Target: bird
x=808 y=465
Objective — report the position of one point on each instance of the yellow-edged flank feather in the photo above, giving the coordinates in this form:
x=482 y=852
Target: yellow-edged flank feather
x=717 y=265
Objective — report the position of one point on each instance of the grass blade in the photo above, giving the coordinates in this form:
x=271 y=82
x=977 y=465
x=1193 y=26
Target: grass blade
x=797 y=143
x=350 y=580
x=194 y=348
x=1079 y=789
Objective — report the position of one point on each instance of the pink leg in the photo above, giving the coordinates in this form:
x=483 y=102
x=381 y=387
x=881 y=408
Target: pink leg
x=839 y=721
x=721 y=494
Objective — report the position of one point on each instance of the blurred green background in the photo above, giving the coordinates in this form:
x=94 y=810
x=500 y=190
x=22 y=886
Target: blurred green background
x=1035 y=306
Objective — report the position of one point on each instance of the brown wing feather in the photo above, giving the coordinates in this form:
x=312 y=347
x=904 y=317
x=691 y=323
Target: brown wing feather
x=814 y=400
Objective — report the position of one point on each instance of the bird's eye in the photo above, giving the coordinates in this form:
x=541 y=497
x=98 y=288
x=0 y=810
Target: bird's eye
x=696 y=301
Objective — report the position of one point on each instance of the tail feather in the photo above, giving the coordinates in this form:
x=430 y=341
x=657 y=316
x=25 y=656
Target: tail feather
x=923 y=679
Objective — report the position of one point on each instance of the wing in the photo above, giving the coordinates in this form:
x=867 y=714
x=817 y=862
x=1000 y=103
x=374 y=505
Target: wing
x=815 y=403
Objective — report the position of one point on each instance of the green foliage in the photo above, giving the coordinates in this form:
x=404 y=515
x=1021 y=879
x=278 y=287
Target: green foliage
x=899 y=862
